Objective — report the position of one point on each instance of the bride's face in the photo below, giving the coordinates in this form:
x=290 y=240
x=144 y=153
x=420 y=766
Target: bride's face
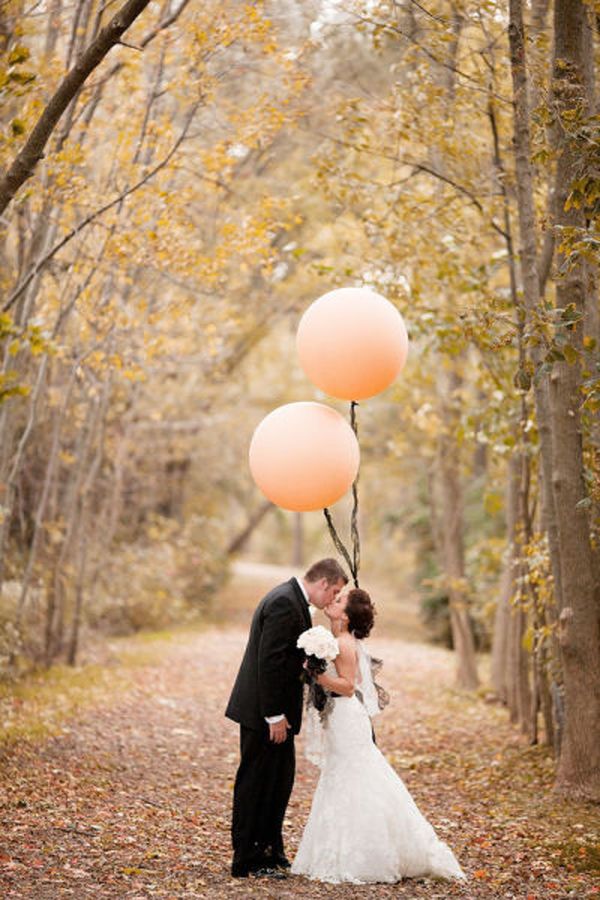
x=322 y=593
x=336 y=611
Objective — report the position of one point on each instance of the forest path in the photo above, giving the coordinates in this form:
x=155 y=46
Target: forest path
x=131 y=797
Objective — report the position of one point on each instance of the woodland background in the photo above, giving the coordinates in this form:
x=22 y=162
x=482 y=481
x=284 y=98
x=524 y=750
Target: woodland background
x=221 y=168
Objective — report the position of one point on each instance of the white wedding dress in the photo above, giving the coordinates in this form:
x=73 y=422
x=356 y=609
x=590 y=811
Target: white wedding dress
x=364 y=826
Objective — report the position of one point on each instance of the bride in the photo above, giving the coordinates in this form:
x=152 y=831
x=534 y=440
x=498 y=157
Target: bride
x=364 y=825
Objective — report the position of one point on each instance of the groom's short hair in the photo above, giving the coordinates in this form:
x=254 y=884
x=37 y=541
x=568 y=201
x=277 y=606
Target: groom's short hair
x=329 y=569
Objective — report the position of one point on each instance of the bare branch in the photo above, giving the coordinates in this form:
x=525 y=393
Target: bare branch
x=421 y=167
x=97 y=87
x=395 y=29
x=428 y=13
x=24 y=164
x=130 y=46
x=462 y=190
x=99 y=212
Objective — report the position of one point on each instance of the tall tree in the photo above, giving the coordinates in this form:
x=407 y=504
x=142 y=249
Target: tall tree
x=579 y=617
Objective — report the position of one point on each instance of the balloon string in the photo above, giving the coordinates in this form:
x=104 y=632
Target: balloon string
x=339 y=545
x=354 y=560
x=354 y=517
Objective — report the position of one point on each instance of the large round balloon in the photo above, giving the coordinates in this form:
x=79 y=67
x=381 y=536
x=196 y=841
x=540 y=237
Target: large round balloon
x=352 y=343
x=304 y=456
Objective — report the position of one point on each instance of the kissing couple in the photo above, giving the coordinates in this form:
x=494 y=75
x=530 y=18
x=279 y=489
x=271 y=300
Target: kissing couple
x=364 y=826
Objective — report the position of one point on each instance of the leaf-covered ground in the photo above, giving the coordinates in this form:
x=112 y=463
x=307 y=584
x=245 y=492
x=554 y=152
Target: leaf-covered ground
x=130 y=796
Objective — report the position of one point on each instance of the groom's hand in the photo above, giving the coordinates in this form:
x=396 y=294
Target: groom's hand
x=278 y=731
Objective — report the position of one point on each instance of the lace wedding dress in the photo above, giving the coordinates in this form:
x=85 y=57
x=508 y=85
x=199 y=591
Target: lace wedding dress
x=363 y=826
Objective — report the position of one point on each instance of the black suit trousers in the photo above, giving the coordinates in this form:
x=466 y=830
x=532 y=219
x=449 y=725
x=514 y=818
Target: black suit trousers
x=263 y=785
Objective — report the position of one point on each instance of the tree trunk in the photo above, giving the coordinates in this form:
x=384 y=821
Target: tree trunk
x=451 y=534
x=518 y=689
x=40 y=514
x=84 y=524
x=519 y=695
x=500 y=634
x=241 y=539
x=579 y=622
x=71 y=514
x=15 y=469
x=501 y=673
x=79 y=595
x=530 y=274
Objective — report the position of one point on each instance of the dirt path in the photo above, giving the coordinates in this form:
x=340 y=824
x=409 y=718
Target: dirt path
x=132 y=799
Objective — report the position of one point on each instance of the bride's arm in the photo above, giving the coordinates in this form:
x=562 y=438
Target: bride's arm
x=345 y=664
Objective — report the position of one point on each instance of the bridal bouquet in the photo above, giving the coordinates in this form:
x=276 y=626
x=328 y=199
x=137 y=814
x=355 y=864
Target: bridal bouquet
x=320 y=647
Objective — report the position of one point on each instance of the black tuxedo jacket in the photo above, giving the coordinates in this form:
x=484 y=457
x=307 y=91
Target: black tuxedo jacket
x=268 y=681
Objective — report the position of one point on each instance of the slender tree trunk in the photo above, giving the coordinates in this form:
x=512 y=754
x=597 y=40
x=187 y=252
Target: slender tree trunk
x=71 y=511
x=530 y=274
x=109 y=516
x=501 y=673
x=84 y=526
x=591 y=359
x=519 y=694
x=451 y=551
x=543 y=662
x=79 y=597
x=518 y=658
x=40 y=514
x=534 y=275
x=241 y=539
x=500 y=634
x=447 y=475
x=11 y=483
x=579 y=620
x=522 y=704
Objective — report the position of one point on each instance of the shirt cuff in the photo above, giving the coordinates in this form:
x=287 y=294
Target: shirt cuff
x=272 y=720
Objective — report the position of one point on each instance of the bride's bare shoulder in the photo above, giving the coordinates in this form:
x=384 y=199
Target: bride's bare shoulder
x=345 y=641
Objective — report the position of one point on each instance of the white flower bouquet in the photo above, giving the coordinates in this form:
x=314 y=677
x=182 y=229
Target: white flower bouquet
x=320 y=644
x=320 y=647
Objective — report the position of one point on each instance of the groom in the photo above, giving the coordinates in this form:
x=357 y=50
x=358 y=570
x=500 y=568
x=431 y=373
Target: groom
x=266 y=701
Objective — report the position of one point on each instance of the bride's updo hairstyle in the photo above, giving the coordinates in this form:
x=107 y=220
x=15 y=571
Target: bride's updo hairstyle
x=361 y=613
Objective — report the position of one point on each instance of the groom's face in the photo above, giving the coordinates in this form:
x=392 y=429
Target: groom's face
x=325 y=592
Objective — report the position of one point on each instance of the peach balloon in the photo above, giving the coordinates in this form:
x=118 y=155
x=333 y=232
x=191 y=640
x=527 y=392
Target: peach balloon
x=304 y=456
x=352 y=343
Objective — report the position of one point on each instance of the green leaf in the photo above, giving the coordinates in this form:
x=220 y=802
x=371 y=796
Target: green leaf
x=570 y=354
x=19 y=55
x=528 y=639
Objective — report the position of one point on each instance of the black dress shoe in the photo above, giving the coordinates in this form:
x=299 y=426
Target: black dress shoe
x=279 y=861
x=245 y=867
x=268 y=872
x=239 y=872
